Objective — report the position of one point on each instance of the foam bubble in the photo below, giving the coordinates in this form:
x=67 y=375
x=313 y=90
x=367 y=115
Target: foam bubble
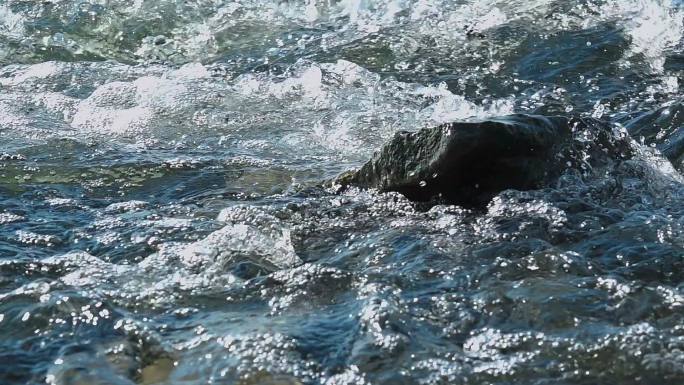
x=653 y=26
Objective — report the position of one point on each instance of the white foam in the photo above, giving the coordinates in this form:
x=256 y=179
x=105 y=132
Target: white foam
x=36 y=71
x=10 y=118
x=6 y=218
x=653 y=26
x=102 y=120
x=127 y=206
x=190 y=71
x=11 y=24
x=126 y=107
x=238 y=240
x=449 y=107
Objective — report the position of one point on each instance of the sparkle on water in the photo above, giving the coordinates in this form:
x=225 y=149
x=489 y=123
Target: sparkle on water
x=161 y=220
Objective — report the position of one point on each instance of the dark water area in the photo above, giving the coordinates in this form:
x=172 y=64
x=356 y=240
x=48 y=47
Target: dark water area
x=162 y=220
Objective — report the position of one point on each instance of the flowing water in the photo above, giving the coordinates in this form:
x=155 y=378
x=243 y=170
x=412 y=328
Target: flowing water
x=161 y=220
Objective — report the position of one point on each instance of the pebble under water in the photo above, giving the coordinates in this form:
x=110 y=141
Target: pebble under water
x=162 y=219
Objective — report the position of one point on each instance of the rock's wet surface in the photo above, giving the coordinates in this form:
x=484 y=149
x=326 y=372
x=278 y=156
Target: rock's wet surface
x=469 y=163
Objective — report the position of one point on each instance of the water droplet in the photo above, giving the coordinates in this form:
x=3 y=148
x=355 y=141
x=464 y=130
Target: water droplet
x=599 y=110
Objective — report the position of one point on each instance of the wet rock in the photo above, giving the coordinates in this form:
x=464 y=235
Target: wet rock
x=123 y=360
x=469 y=162
x=265 y=378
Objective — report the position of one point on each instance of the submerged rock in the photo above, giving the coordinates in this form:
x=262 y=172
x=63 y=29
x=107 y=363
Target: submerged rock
x=469 y=162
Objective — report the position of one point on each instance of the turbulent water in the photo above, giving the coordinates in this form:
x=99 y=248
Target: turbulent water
x=162 y=220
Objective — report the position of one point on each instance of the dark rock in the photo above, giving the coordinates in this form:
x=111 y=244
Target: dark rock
x=468 y=163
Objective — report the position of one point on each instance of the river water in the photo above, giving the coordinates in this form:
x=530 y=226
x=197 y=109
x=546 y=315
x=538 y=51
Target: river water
x=161 y=220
